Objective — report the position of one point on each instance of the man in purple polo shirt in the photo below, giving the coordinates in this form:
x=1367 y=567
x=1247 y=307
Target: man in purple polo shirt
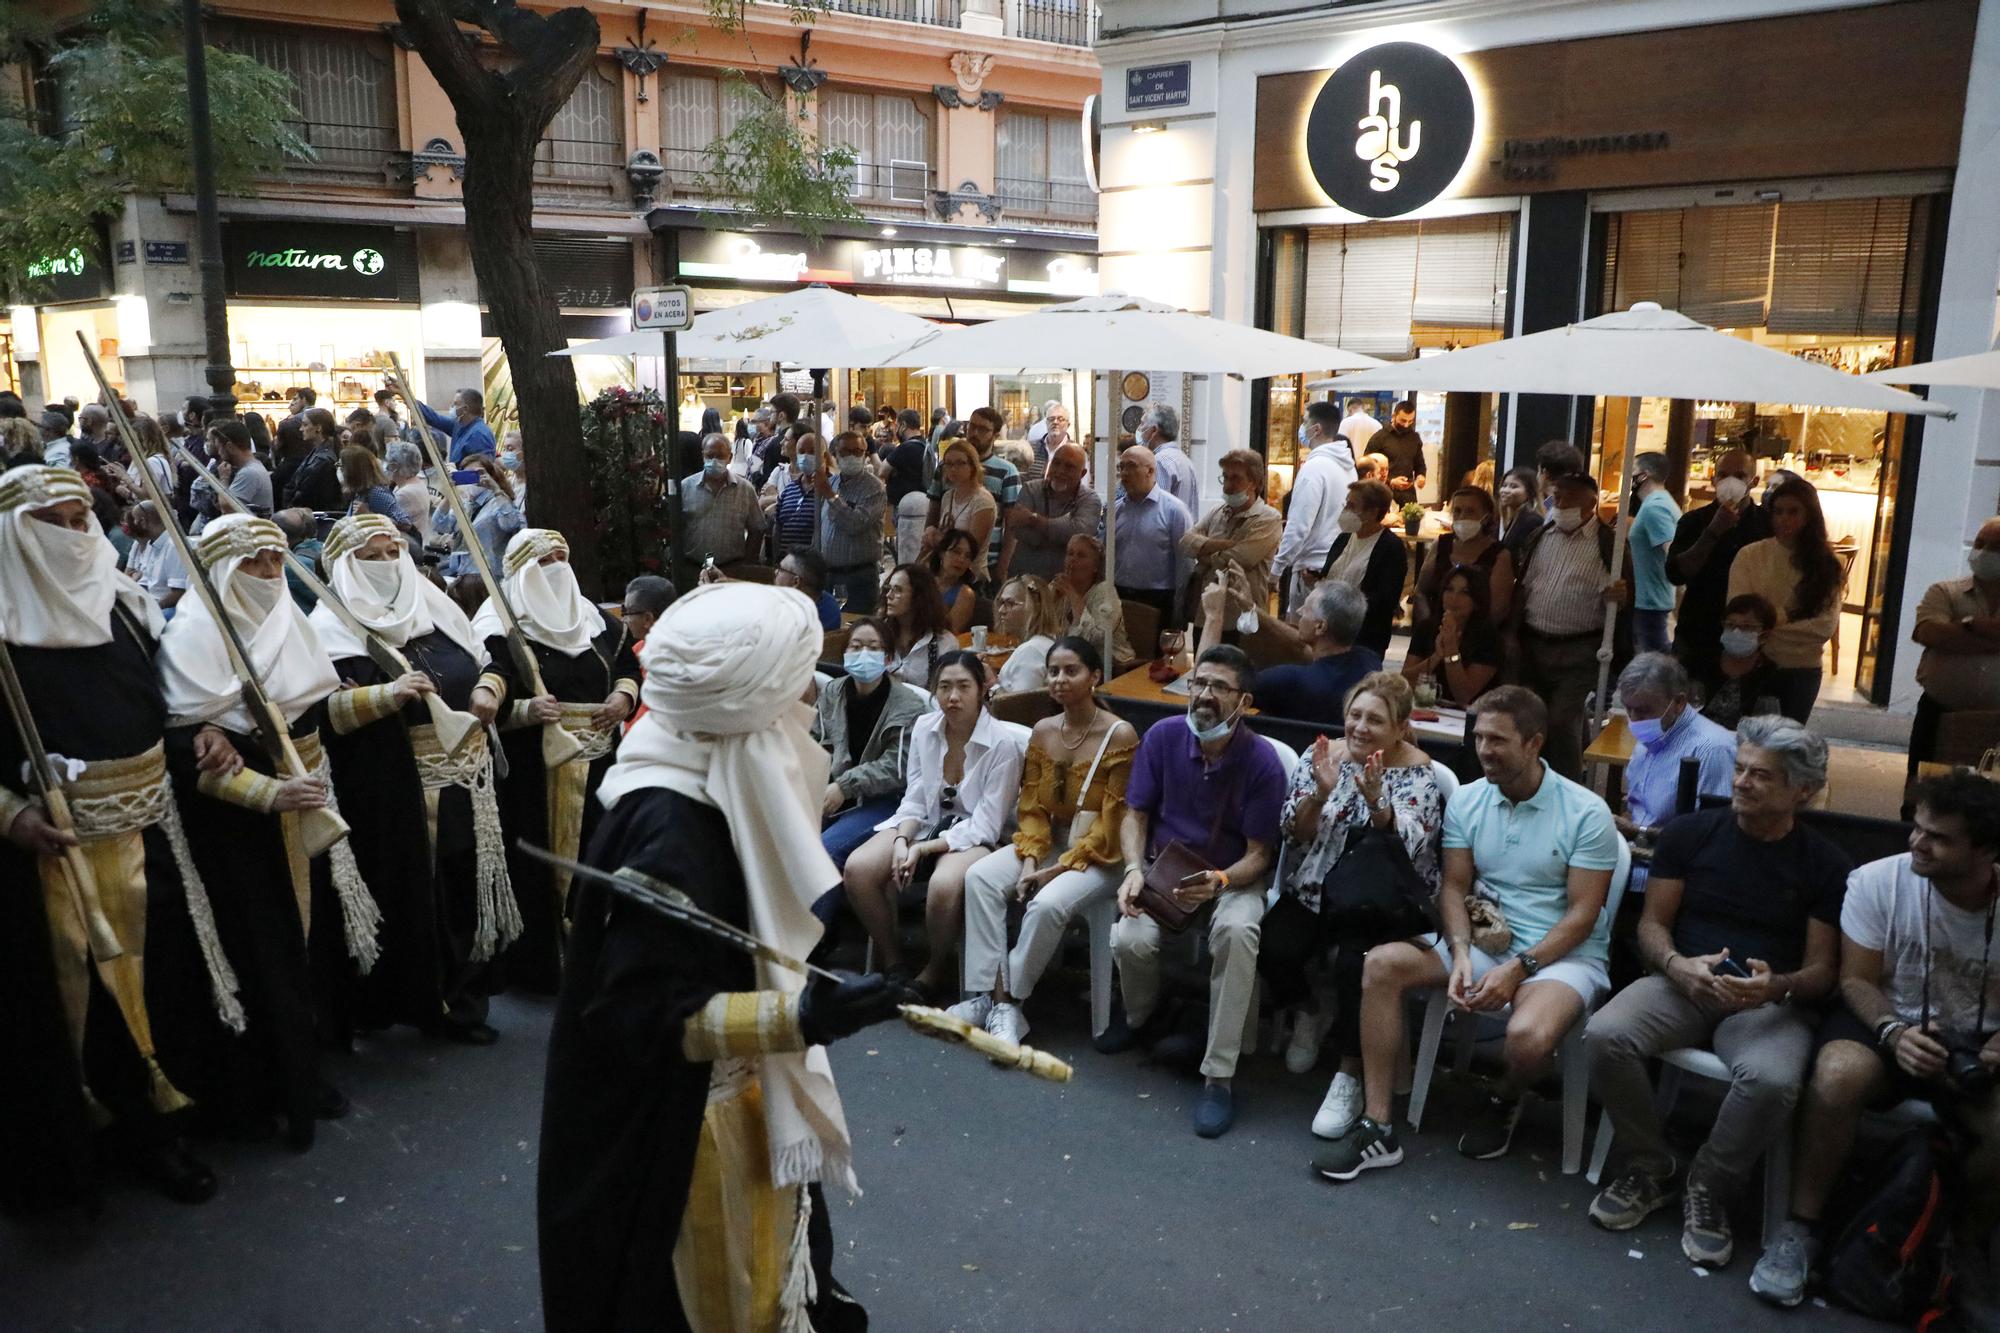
x=1218 y=787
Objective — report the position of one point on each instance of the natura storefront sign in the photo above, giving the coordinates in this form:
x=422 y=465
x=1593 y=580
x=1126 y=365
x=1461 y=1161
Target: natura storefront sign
x=311 y=259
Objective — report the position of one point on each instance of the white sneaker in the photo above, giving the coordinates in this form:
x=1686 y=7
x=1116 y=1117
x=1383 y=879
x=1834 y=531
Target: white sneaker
x=973 y=1011
x=1308 y=1035
x=1341 y=1108
x=1008 y=1023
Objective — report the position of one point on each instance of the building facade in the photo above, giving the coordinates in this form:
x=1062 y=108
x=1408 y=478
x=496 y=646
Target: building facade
x=964 y=117
x=1399 y=178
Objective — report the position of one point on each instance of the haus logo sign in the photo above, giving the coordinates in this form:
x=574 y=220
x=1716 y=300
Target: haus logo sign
x=1390 y=129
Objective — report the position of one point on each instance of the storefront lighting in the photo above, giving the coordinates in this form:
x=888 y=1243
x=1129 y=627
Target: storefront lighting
x=888 y=231
x=27 y=332
x=135 y=325
x=451 y=324
x=1148 y=127
x=1008 y=240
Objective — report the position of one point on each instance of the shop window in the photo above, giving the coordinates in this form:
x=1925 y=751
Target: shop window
x=1388 y=289
x=1038 y=165
x=696 y=110
x=582 y=157
x=891 y=138
x=343 y=90
x=1838 y=267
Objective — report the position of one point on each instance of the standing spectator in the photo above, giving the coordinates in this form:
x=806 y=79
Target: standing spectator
x=495 y=520
x=389 y=412
x=237 y=468
x=1565 y=581
x=466 y=426
x=1358 y=427
x=288 y=451
x=1329 y=624
x=1217 y=788
x=1376 y=777
x=1520 y=508
x=366 y=489
x=1796 y=571
x=1466 y=650
x=1705 y=545
x=1001 y=478
x=1743 y=683
x=1240 y=533
x=1652 y=531
x=1544 y=849
x=1916 y=975
x=20 y=443
x=403 y=463
x=864 y=720
x=1400 y=444
x=766 y=443
x=1319 y=494
x=852 y=505
x=303 y=399
x=907 y=457
x=1049 y=434
x=1654 y=688
x=1088 y=601
x=914 y=611
x=961 y=502
x=1958 y=626
x=1159 y=430
x=790 y=507
x=1748 y=886
x=1474 y=540
x=316 y=479
x=723 y=517
x=93 y=427
x=1368 y=556
x=1151 y=522
x=1553 y=461
x=1054 y=508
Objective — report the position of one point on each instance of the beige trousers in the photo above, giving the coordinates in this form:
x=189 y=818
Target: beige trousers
x=1234 y=928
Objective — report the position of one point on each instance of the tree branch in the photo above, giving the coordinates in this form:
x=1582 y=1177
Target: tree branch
x=434 y=32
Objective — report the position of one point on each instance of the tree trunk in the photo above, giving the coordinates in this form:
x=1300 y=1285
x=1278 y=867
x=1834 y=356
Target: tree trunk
x=502 y=116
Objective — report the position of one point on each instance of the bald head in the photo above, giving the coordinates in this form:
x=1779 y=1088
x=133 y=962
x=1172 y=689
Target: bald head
x=1988 y=536
x=1136 y=471
x=1065 y=469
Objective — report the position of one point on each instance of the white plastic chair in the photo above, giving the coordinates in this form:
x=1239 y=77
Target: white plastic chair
x=1570 y=1059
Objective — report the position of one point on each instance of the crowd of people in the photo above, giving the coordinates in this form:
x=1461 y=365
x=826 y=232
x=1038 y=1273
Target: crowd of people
x=405 y=747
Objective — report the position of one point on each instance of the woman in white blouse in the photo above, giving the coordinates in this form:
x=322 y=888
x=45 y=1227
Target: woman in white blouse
x=1026 y=612
x=965 y=780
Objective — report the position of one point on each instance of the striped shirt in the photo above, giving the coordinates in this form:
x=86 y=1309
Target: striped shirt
x=1563 y=581
x=794 y=519
x=850 y=524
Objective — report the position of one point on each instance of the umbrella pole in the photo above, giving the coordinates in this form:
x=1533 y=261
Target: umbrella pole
x=1603 y=705
x=1109 y=468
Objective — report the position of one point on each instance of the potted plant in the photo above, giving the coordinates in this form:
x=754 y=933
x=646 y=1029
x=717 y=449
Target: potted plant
x=1413 y=518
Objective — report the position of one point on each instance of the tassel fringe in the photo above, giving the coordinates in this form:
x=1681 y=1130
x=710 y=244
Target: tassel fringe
x=801 y=1288
x=222 y=983
x=499 y=914
x=165 y=1096
x=360 y=917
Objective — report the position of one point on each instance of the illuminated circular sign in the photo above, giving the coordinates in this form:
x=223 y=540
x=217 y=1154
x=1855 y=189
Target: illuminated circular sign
x=1390 y=129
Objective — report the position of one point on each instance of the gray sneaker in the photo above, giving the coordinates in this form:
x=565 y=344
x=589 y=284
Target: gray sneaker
x=1629 y=1200
x=1705 y=1235
x=1780 y=1276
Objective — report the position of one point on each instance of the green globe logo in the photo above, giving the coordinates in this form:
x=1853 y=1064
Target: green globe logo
x=367 y=262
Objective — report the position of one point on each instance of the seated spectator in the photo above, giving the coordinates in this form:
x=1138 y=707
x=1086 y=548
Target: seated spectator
x=1372 y=467
x=1317 y=692
x=403 y=464
x=1741 y=935
x=366 y=489
x=495 y=519
x=952 y=562
x=1542 y=849
x=154 y=562
x=1366 y=555
x=1217 y=788
x=913 y=609
x=1466 y=651
x=1066 y=855
x=804 y=570
x=1666 y=730
x=1089 y=603
x=1919 y=988
x=301 y=535
x=1025 y=612
x=864 y=721
x=1745 y=682
x=1375 y=777
x=964 y=783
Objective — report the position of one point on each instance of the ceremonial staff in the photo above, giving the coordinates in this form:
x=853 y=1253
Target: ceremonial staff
x=558 y=746
x=453 y=728
x=318 y=829
x=676 y=906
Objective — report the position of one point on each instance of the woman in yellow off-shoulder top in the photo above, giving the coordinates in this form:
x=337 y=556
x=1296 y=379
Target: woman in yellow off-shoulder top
x=1066 y=855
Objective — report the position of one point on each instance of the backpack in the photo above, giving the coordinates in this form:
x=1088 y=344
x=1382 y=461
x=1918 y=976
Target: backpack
x=1888 y=1258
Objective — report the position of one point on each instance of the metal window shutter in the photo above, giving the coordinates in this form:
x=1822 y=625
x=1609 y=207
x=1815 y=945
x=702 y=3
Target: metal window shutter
x=690 y=120
x=1020 y=144
x=1462 y=272
x=1839 y=266
x=1361 y=287
x=1726 y=264
x=587 y=274
x=1643 y=261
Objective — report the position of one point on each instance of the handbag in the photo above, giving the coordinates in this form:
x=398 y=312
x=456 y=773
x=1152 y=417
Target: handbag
x=1372 y=894
x=1177 y=861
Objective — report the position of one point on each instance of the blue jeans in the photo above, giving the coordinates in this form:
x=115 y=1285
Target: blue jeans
x=849 y=829
x=1649 y=631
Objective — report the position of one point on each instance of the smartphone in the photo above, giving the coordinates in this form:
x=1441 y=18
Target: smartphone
x=1199 y=877
x=1729 y=967
x=467 y=477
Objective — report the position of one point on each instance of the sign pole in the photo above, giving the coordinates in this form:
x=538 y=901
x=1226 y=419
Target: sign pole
x=677 y=530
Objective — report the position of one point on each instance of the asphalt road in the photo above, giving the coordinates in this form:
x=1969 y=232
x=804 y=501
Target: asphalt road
x=992 y=1201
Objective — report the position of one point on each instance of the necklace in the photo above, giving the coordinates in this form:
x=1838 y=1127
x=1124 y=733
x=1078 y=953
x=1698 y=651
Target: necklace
x=1062 y=733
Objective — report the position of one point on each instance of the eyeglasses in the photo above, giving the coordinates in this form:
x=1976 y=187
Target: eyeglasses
x=1211 y=687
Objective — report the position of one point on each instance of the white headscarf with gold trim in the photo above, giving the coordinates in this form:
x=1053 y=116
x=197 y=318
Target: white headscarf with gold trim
x=57 y=585
x=552 y=610
x=389 y=596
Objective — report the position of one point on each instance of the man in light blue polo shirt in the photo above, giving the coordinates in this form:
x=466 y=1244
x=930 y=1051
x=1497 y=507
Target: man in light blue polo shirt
x=1653 y=528
x=1543 y=849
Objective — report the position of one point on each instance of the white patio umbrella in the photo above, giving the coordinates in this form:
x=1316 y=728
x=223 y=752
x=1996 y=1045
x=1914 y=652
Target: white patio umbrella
x=810 y=326
x=1978 y=371
x=639 y=342
x=1644 y=352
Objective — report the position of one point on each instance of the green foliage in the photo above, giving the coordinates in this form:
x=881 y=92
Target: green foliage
x=727 y=15
x=769 y=168
x=627 y=436
x=124 y=126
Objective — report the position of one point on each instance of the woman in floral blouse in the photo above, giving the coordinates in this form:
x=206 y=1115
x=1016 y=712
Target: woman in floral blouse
x=1373 y=776
x=1066 y=855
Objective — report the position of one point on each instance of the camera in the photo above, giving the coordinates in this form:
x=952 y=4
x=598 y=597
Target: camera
x=1966 y=1073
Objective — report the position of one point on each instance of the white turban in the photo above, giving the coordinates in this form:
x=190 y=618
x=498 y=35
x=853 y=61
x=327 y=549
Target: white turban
x=725 y=666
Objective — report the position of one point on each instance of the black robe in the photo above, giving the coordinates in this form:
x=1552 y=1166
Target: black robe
x=87 y=703
x=534 y=962
x=429 y=907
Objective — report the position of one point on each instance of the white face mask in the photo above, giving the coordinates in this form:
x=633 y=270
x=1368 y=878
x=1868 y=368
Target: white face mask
x=1350 y=522
x=256 y=597
x=1568 y=520
x=1731 y=490
x=382 y=579
x=1246 y=622
x=1739 y=642
x=1236 y=499
x=852 y=465
x=1465 y=529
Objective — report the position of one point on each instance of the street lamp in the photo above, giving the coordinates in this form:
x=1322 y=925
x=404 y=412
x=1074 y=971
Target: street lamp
x=220 y=374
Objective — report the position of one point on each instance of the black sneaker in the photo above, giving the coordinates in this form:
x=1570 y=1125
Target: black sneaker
x=1120 y=1036
x=1366 y=1147
x=1629 y=1200
x=1494 y=1134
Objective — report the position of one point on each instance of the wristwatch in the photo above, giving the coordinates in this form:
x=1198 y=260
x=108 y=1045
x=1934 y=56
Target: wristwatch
x=1529 y=963
x=1888 y=1030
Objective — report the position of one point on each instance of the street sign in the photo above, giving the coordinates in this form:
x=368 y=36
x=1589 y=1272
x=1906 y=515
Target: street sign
x=668 y=309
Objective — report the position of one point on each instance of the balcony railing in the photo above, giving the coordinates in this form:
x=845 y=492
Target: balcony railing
x=580 y=171
x=347 y=155
x=1067 y=22
x=899 y=188
x=1046 y=200
x=938 y=13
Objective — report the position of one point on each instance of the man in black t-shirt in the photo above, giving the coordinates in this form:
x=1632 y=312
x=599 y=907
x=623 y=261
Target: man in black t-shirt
x=1742 y=934
x=1404 y=448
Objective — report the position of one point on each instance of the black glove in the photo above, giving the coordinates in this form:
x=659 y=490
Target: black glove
x=829 y=1010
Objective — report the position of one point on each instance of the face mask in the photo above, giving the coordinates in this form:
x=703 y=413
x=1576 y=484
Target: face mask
x=866 y=665
x=63 y=548
x=1246 y=623
x=1349 y=521
x=1209 y=735
x=258 y=596
x=1302 y=435
x=382 y=578
x=807 y=464
x=512 y=462
x=1236 y=499
x=852 y=465
x=1647 y=733
x=1568 y=520
x=1985 y=565
x=1466 y=529
x=1731 y=490
x=1739 y=642
x=713 y=467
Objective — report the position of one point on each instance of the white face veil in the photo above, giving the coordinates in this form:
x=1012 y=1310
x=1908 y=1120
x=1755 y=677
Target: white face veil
x=57 y=585
x=391 y=597
x=552 y=610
